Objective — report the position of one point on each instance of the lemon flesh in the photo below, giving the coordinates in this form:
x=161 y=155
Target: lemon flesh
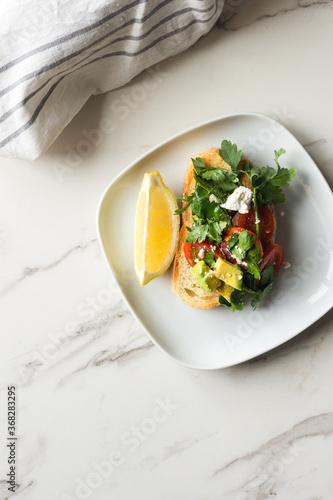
x=156 y=228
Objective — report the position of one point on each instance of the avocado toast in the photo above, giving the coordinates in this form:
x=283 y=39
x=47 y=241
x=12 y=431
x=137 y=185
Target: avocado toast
x=226 y=244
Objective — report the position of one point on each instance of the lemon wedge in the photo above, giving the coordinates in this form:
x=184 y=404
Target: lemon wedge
x=156 y=228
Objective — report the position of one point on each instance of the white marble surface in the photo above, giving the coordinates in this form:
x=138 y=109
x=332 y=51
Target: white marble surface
x=102 y=412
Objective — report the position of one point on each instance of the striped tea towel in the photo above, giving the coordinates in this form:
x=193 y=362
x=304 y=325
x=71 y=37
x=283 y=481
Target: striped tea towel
x=54 y=54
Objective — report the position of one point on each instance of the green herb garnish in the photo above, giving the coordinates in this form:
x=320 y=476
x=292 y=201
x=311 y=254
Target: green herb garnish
x=231 y=155
x=268 y=278
x=267 y=183
x=242 y=246
x=236 y=300
x=210 y=259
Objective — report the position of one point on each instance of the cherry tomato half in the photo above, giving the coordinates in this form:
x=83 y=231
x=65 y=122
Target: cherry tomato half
x=267 y=222
x=198 y=250
x=225 y=243
x=273 y=256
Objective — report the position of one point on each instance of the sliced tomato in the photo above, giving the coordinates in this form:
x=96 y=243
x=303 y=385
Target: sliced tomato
x=248 y=221
x=198 y=250
x=273 y=256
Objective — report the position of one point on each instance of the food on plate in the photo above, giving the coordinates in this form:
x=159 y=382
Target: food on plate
x=156 y=228
x=226 y=245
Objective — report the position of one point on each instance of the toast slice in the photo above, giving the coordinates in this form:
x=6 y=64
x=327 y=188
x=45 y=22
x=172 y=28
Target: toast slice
x=183 y=284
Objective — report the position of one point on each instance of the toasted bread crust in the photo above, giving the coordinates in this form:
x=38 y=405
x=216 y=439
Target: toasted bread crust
x=183 y=284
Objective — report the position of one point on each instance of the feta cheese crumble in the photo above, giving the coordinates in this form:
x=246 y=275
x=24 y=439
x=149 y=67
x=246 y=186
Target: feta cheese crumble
x=239 y=200
x=212 y=197
x=201 y=253
x=239 y=261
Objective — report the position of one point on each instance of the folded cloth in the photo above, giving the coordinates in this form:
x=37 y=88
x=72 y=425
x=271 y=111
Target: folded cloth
x=54 y=54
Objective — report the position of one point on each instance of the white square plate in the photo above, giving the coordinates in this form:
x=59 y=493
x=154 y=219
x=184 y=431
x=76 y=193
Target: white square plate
x=303 y=293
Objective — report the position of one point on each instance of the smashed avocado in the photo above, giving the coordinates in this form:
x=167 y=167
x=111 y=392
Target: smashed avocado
x=206 y=279
x=231 y=274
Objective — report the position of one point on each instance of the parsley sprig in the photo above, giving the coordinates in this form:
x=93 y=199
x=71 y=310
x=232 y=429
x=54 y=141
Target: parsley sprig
x=210 y=259
x=216 y=181
x=243 y=247
x=230 y=154
x=209 y=218
x=261 y=292
x=267 y=183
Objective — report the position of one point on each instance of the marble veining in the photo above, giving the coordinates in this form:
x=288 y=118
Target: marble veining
x=276 y=454
x=89 y=333
x=31 y=271
x=28 y=271
x=319 y=425
x=121 y=355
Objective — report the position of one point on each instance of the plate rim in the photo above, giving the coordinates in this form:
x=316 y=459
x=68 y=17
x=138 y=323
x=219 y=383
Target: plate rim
x=139 y=159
